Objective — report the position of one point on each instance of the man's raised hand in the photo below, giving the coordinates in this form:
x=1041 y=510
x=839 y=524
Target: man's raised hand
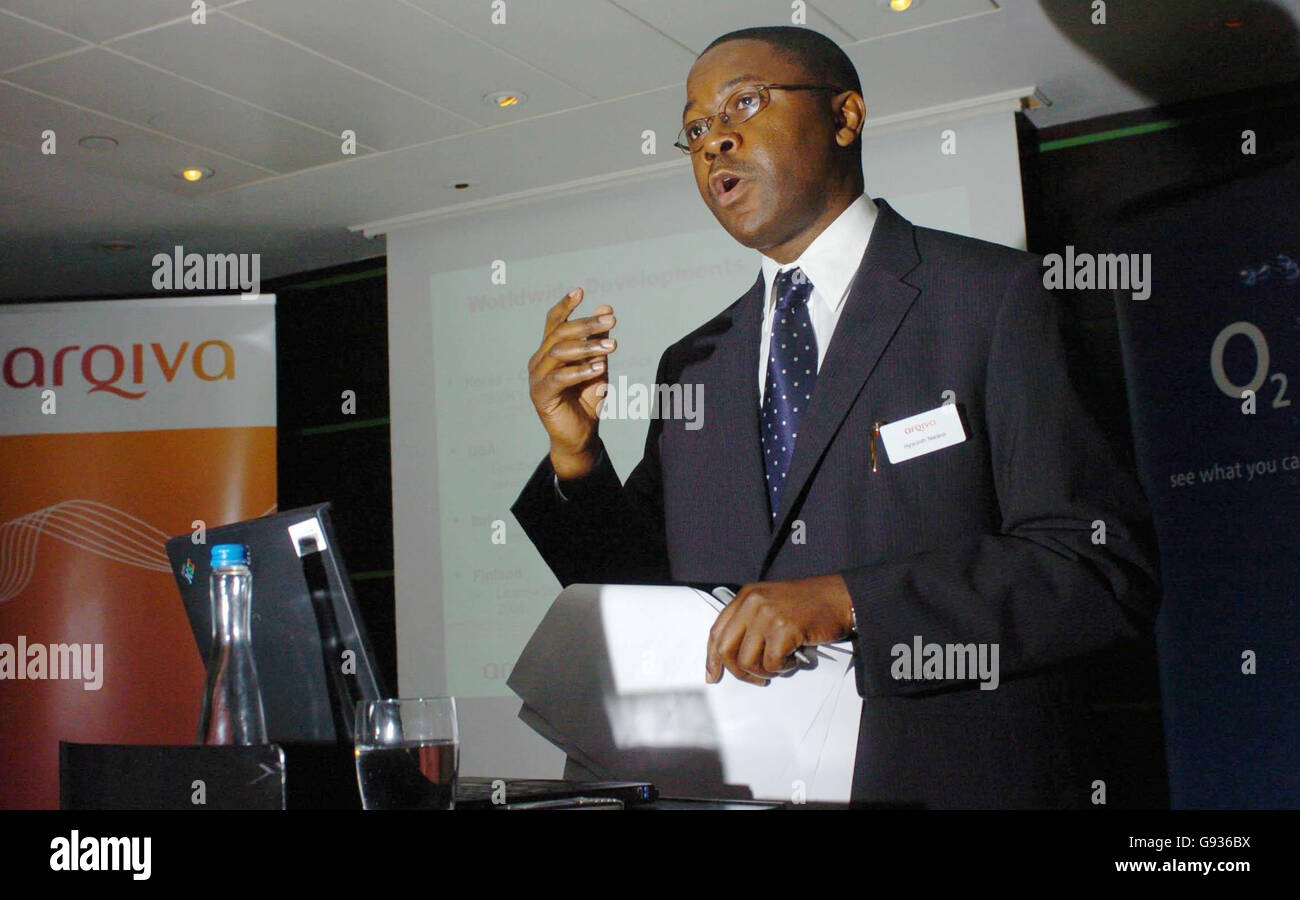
x=565 y=378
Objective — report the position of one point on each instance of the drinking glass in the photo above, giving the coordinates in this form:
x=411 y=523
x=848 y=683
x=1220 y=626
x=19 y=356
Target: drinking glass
x=408 y=753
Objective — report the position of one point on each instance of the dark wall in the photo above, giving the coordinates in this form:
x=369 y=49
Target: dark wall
x=331 y=331
x=1080 y=180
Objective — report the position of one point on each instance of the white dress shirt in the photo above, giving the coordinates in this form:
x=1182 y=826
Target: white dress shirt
x=830 y=263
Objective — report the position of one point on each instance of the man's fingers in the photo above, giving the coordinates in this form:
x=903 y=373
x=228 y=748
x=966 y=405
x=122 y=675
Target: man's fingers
x=558 y=314
x=724 y=645
x=731 y=656
x=587 y=326
x=713 y=658
x=582 y=348
x=767 y=648
x=560 y=311
x=577 y=372
x=592 y=329
x=539 y=376
x=749 y=654
x=557 y=381
x=778 y=654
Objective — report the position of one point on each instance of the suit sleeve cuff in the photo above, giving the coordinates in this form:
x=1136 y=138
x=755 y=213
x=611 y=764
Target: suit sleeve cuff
x=870 y=594
x=578 y=488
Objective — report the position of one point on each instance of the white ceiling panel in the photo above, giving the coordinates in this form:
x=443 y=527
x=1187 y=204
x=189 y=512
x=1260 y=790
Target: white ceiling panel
x=99 y=20
x=22 y=42
x=104 y=81
x=141 y=157
x=238 y=91
x=248 y=63
x=575 y=40
x=870 y=19
x=696 y=23
x=415 y=180
x=414 y=51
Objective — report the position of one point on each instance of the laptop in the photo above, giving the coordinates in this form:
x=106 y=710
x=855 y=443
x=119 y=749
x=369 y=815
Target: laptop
x=305 y=623
x=544 y=793
x=304 y=619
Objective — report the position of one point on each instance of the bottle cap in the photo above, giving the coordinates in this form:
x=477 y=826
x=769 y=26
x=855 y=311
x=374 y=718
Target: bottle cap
x=229 y=555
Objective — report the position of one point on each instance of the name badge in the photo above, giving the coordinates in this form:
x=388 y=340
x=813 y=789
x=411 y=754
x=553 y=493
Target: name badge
x=922 y=433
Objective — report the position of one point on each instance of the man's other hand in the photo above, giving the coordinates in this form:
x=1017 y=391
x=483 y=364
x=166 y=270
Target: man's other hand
x=565 y=381
x=757 y=633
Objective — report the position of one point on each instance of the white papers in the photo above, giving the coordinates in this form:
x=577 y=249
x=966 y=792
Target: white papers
x=615 y=675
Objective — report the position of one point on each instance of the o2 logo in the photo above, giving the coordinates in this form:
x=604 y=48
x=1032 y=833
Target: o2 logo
x=1281 y=264
x=1256 y=337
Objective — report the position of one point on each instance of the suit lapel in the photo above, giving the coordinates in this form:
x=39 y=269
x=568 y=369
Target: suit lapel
x=736 y=391
x=877 y=302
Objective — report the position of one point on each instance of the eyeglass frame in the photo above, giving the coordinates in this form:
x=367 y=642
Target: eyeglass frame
x=762 y=89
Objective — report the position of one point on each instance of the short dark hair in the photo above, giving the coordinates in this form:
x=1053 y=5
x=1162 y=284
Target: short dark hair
x=819 y=56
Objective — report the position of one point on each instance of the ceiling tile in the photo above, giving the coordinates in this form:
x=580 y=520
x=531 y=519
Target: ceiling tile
x=414 y=51
x=248 y=63
x=593 y=45
x=867 y=19
x=98 y=20
x=22 y=42
x=57 y=208
x=696 y=24
x=415 y=179
x=139 y=157
x=117 y=86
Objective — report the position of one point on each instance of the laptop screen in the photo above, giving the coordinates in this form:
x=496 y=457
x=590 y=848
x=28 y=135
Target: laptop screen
x=313 y=657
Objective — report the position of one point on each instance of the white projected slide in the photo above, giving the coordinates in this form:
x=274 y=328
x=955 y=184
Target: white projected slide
x=495 y=586
x=489 y=439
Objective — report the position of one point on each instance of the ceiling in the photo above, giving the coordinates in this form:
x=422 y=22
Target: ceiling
x=261 y=92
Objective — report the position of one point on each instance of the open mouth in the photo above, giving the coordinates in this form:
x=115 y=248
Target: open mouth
x=726 y=187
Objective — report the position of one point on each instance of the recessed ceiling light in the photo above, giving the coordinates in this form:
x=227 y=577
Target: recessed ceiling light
x=461 y=184
x=900 y=5
x=98 y=143
x=194 y=173
x=117 y=246
x=504 y=99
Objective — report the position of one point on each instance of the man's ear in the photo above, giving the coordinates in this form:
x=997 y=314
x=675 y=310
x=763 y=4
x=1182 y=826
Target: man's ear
x=849 y=118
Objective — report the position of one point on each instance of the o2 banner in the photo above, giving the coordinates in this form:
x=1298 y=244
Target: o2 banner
x=122 y=423
x=1212 y=358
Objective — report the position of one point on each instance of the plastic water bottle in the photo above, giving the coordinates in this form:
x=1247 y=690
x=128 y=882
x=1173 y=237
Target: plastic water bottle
x=232 y=702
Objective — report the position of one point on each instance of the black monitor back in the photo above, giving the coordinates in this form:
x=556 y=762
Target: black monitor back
x=314 y=660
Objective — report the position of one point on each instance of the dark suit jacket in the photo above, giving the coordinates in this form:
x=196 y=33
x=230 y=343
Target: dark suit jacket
x=989 y=541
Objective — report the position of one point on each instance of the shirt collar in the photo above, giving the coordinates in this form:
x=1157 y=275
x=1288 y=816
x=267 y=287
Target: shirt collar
x=833 y=257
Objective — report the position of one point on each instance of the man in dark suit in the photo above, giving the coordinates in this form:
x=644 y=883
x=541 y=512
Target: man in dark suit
x=1027 y=538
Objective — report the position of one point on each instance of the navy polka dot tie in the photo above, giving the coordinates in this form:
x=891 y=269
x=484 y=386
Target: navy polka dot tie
x=791 y=375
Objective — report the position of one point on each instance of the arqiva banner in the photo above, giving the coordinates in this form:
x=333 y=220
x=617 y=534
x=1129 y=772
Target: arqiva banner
x=122 y=423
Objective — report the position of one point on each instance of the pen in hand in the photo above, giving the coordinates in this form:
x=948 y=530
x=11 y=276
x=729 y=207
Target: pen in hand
x=725 y=595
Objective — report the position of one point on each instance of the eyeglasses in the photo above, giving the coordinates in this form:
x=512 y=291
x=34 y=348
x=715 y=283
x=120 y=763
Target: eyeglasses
x=740 y=107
